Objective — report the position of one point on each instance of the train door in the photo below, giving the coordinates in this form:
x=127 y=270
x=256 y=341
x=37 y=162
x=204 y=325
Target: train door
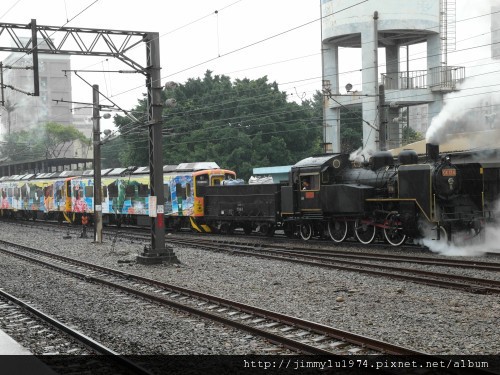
x=167 y=193
x=200 y=181
x=180 y=193
x=67 y=195
x=48 y=196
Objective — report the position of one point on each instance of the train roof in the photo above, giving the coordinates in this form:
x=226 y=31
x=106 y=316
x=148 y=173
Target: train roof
x=320 y=162
x=169 y=168
x=197 y=166
x=315 y=161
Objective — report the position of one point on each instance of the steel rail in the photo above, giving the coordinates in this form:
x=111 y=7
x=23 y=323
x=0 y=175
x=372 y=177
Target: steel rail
x=350 y=337
x=483 y=286
x=76 y=335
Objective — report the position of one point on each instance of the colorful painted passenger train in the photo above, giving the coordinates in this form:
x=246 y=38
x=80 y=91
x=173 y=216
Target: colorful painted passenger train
x=66 y=195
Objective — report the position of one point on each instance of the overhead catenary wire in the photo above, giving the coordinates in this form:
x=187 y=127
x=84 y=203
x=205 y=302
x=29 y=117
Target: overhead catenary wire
x=240 y=48
x=78 y=14
x=245 y=47
x=8 y=10
x=338 y=73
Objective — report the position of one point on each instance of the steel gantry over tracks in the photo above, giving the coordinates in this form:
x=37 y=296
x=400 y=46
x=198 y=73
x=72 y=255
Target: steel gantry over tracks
x=116 y=44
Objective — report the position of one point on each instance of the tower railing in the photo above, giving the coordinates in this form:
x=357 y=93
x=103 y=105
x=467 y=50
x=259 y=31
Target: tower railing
x=441 y=78
x=446 y=78
x=414 y=79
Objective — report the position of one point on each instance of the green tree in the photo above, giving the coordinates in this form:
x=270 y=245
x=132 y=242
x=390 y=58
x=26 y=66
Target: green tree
x=57 y=139
x=18 y=146
x=52 y=140
x=113 y=152
x=351 y=129
x=239 y=125
x=410 y=135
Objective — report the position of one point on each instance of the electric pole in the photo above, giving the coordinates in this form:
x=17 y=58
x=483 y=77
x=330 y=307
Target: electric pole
x=96 y=118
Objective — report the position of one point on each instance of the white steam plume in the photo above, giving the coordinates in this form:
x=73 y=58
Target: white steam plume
x=461 y=247
x=472 y=107
x=361 y=155
x=475 y=93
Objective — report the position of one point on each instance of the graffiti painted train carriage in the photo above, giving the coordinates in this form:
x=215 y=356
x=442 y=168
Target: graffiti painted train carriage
x=125 y=194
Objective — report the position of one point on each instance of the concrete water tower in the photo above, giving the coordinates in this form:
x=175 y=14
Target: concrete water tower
x=389 y=25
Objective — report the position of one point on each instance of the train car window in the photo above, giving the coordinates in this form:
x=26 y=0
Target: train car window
x=309 y=182
x=202 y=180
x=325 y=177
x=305 y=183
x=143 y=190
x=113 y=190
x=315 y=182
x=166 y=193
x=89 y=191
x=130 y=191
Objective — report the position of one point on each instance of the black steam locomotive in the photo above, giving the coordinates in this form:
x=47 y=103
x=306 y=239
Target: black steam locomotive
x=327 y=196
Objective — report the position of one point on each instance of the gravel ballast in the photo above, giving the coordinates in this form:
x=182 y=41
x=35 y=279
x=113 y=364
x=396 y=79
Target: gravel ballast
x=424 y=318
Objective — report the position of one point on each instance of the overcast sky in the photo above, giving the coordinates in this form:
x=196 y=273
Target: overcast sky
x=277 y=38
x=283 y=39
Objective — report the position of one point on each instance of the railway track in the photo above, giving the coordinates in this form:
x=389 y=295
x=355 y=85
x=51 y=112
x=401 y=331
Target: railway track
x=278 y=240
x=289 y=332
x=338 y=259
x=32 y=326
x=332 y=260
x=342 y=259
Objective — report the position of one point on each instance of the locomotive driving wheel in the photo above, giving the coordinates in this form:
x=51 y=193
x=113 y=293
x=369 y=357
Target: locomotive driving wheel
x=365 y=230
x=393 y=230
x=226 y=228
x=267 y=230
x=337 y=229
x=306 y=231
x=247 y=229
x=289 y=230
x=441 y=233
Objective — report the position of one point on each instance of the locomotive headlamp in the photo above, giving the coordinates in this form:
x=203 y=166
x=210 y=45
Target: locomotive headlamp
x=451 y=181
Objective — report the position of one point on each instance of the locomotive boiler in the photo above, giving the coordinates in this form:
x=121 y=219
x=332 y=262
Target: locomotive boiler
x=389 y=199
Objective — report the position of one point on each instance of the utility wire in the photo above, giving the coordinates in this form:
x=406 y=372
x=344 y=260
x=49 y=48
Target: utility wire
x=8 y=10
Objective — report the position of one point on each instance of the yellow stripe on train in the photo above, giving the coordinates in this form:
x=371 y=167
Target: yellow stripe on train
x=199 y=228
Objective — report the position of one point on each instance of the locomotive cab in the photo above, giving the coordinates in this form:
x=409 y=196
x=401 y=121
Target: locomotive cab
x=304 y=195
x=310 y=194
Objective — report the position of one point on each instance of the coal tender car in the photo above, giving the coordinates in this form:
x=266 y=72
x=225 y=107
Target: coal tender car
x=326 y=196
x=250 y=207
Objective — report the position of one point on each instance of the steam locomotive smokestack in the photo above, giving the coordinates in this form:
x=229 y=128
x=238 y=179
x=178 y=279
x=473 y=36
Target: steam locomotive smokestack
x=432 y=151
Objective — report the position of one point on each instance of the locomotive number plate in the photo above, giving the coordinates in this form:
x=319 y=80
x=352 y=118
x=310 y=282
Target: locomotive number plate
x=449 y=172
